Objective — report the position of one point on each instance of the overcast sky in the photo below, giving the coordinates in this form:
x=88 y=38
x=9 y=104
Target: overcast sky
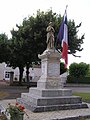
x=13 y=12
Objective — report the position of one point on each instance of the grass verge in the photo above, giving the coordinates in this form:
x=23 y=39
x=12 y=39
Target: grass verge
x=85 y=96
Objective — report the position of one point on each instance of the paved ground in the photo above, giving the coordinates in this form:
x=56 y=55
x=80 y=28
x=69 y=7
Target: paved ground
x=15 y=91
x=54 y=115
x=11 y=92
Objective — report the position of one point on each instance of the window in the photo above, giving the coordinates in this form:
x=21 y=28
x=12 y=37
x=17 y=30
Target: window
x=7 y=74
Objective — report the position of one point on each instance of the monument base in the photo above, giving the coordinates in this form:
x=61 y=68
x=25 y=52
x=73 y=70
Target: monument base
x=38 y=100
x=35 y=108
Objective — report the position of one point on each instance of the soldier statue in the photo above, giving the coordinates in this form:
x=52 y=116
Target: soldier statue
x=50 y=36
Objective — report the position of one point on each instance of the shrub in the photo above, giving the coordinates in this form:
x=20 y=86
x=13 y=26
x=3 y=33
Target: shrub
x=82 y=80
x=78 y=70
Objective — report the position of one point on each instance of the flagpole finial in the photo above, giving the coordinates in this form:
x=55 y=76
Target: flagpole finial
x=66 y=9
x=66 y=6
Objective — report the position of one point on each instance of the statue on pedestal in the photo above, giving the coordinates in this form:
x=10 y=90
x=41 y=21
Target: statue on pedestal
x=49 y=95
x=50 y=36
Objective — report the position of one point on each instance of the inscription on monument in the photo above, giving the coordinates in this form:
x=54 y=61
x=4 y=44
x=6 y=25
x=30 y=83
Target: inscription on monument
x=53 y=69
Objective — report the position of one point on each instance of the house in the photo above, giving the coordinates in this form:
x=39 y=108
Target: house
x=34 y=73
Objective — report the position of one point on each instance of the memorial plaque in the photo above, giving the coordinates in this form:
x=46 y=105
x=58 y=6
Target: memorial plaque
x=53 y=69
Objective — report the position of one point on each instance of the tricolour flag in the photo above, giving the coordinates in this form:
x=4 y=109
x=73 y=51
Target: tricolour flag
x=63 y=38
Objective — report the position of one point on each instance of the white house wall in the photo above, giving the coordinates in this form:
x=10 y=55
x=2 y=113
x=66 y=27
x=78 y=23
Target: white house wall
x=3 y=69
x=35 y=73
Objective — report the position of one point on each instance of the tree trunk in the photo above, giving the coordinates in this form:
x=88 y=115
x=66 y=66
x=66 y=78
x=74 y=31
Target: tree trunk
x=27 y=75
x=21 y=69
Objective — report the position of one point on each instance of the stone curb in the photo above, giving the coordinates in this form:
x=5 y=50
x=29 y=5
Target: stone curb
x=74 y=118
x=76 y=85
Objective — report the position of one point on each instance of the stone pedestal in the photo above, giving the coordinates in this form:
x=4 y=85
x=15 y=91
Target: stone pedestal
x=50 y=66
x=50 y=94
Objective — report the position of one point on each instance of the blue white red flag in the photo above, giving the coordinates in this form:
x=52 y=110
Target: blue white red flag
x=63 y=38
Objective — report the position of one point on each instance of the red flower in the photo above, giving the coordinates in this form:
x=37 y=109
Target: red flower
x=17 y=103
x=21 y=107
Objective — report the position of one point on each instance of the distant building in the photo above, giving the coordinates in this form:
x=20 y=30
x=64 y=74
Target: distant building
x=34 y=73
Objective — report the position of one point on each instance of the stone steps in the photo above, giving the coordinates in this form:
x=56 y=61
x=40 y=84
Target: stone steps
x=36 y=108
x=36 y=100
x=50 y=92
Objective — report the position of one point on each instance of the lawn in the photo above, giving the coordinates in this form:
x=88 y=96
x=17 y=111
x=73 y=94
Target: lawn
x=85 y=96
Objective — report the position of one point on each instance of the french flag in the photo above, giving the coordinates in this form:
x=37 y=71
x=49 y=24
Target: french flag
x=63 y=38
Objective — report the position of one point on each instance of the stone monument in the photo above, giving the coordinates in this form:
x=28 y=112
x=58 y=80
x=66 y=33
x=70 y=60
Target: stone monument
x=50 y=95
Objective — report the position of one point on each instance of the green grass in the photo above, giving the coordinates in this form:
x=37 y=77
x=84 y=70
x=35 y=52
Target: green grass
x=85 y=96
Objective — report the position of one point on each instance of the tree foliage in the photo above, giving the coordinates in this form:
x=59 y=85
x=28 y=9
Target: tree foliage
x=74 y=41
x=88 y=74
x=78 y=70
x=4 y=48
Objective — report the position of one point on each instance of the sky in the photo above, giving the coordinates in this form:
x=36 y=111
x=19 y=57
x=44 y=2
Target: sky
x=13 y=12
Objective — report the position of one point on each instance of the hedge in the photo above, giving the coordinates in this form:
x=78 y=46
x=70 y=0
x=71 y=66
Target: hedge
x=84 y=80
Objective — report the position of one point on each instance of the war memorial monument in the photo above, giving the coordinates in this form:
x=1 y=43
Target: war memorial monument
x=50 y=95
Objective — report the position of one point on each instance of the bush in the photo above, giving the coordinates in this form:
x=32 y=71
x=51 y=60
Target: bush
x=78 y=70
x=82 y=80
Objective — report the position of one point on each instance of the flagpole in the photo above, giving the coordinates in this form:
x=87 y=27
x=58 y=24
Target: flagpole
x=66 y=9
x=63 y=37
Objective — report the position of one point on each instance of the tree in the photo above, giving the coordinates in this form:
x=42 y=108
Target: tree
x=78 y=70
x=30 y=38
x=16 y=53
